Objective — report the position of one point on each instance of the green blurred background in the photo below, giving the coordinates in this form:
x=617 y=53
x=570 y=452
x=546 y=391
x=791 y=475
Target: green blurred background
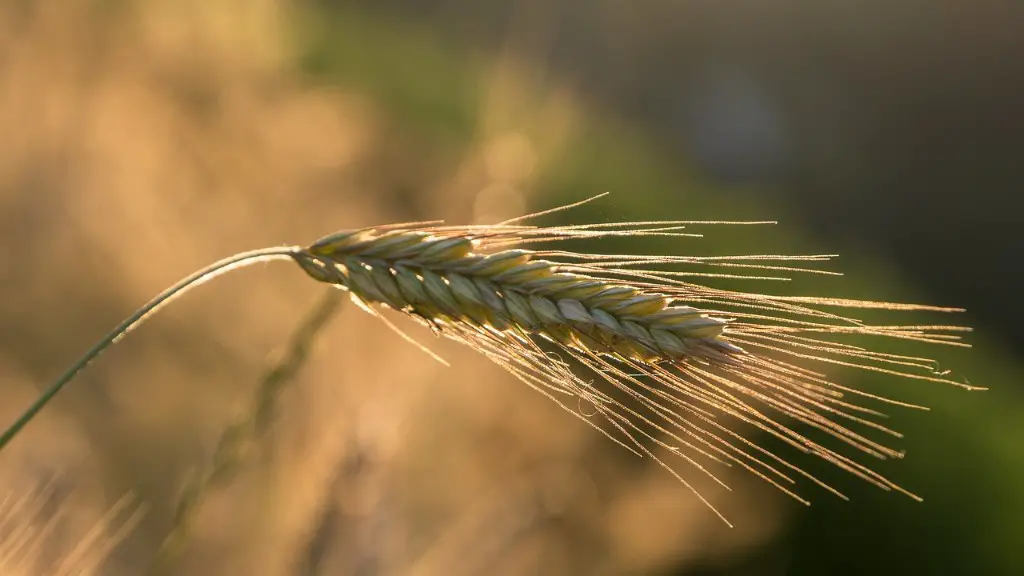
x=146 y=138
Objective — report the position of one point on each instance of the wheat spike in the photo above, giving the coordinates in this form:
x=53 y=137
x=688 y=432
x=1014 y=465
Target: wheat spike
x=668 y=360
x=661 y=361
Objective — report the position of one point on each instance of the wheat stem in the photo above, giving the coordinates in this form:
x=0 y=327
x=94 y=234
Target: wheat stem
x=139 y=316
x=237 y=440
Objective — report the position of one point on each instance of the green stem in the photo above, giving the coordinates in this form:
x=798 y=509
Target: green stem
x=139 y=316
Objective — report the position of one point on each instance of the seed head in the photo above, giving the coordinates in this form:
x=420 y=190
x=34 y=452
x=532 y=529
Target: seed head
x=661 y=360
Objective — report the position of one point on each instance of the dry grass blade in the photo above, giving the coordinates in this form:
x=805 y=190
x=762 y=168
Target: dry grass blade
x=29 y=535
x=237 y=440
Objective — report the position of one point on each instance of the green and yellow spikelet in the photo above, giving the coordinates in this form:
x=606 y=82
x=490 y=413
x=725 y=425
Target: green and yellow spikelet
x=664 y=360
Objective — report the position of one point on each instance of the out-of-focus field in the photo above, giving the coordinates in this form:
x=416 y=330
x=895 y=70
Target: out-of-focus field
x=144 y=139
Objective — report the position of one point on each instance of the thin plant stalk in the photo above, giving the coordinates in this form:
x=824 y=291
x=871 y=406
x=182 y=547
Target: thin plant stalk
x=238 y=439
x=140 y=316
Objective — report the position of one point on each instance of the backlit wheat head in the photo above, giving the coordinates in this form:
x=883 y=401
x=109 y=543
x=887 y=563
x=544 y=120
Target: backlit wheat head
x=629 y=343
x=654 y=358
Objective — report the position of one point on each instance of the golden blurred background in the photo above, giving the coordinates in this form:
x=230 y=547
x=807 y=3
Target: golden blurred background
x=143 y=139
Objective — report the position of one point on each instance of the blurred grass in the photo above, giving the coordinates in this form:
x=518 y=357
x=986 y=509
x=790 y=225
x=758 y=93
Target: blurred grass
x=425 y=82
x=238 y=441
x=965 y=456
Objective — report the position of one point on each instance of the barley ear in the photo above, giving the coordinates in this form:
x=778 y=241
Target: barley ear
x=141 y=315
x=659 y=360
x=238 y=439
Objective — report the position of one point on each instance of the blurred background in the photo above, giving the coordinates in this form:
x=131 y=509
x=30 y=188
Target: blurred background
x=142 y=139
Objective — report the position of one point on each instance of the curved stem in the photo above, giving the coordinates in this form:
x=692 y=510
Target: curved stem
x=140 y=315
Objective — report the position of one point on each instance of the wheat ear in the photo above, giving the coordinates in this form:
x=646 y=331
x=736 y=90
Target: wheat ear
x=658 y=368
x=660 y=360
